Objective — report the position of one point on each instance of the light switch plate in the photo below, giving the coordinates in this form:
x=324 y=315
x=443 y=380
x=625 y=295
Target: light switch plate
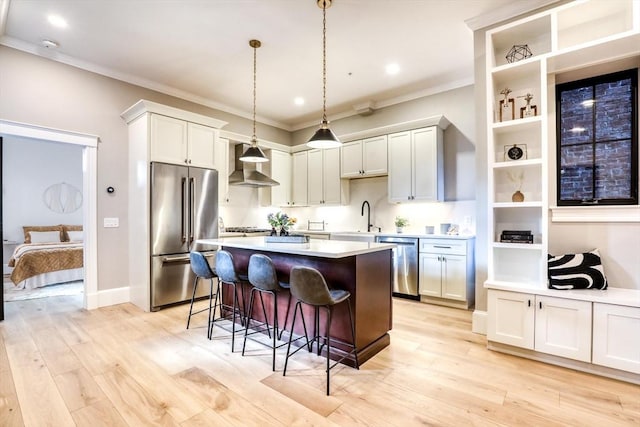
x=111 y=222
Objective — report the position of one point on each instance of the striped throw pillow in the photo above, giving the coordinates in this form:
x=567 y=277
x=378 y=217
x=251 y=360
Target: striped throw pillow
x=577 y=271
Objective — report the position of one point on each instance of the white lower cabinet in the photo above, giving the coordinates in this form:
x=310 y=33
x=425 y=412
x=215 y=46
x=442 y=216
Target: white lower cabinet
x=616 y=337
x=563 y=327
x=511 y=318
x=446 y=269
x=557 y=326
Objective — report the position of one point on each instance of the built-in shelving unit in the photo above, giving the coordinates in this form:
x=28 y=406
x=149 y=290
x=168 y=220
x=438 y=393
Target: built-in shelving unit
x=521 y=310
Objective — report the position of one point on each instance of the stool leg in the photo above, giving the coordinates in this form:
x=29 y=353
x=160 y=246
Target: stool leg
x=264 y=313
x=248 y=319
x=286 y=316
x=353 y=335
x=328 y=341
x=293 y=323
x=275 y=331
x=210 y=307
x=193 y=296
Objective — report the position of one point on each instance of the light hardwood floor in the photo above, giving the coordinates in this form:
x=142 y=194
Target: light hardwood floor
x=118 y=366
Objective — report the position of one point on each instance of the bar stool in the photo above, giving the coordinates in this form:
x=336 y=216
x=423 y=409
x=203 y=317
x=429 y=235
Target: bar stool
x=263 y=278
x=227 y=276
x=202 y=270
x=309 y=287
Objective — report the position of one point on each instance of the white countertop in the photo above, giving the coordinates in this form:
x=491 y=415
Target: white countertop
x=383 y=233
x=315 y=248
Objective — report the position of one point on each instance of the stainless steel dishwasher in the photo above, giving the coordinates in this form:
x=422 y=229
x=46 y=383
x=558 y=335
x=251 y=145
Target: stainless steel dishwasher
x=405 y=265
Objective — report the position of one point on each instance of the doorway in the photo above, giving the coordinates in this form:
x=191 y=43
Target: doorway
x=89 y=205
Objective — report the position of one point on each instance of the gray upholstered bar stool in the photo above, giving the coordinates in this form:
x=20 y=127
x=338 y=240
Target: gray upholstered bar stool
x=202 y=270
x=309 y=287
x=229 y=278
x=264 y=279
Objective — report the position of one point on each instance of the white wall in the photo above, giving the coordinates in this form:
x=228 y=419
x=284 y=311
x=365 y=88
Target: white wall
x=29 y=168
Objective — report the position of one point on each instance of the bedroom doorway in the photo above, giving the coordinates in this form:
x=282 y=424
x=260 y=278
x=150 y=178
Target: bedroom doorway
x=89 y=145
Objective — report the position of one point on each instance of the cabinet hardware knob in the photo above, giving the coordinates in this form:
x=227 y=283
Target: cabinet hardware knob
x=540 y=303
x=528 y=303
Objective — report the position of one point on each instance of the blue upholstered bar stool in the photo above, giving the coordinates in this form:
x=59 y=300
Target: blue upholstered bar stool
x=309 y=287
x=202 y=270
x=263 y=278
x=227 y=278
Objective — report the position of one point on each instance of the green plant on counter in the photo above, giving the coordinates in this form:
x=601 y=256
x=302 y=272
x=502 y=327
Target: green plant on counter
x=401 y=222
x=281 y=222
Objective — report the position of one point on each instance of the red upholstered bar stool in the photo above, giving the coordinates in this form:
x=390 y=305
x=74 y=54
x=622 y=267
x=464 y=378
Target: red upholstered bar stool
x=309 y=287
x=202 y=270
x=263 y=278
x=228 y=278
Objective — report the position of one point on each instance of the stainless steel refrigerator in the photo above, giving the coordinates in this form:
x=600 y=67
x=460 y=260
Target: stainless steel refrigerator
x=184 y=208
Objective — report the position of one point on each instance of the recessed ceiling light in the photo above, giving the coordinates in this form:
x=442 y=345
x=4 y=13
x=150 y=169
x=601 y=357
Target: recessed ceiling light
x=392 y=69
x=298 y=100
x=57 y=21
x=49 y=44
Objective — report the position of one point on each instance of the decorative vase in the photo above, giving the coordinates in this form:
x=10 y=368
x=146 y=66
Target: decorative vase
x=399 y=230
x=517 y=196
x=273 y=231
x=283 y=231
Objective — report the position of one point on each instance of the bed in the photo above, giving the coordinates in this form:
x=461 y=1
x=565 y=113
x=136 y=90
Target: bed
x=50 y=255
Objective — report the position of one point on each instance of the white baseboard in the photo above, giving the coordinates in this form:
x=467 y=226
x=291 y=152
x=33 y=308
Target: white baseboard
x=479 y=322
x=108 y=297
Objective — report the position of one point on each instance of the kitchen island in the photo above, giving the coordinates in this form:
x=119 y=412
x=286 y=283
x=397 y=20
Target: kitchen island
x=364 y=269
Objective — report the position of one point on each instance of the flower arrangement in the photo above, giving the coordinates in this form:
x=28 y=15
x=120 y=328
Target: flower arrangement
x=401 y=221
x=281 y=221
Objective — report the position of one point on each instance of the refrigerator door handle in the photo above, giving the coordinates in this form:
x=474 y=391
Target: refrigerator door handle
x=183 y=220
x=192 y=207
x=177 y=258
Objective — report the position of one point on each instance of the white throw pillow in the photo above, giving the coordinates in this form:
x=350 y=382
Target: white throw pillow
x=44 y=236
x=76 y=236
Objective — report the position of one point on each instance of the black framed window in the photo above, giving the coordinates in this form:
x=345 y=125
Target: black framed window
x=597 y=140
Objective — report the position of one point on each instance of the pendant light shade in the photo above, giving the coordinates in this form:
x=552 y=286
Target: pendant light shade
x=254 y=154
x=324 y=137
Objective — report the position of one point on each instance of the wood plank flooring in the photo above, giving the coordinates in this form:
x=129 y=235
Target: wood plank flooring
x=61 y=365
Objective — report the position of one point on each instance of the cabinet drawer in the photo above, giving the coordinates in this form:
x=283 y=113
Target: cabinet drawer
x=444 y=246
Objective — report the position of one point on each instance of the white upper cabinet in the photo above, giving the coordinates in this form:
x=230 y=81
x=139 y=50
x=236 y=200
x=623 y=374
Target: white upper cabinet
x=201 y=141
x=416 y=165
x=221 y=164
x=168 y=140
x=280 y=169
x=180 y=142
x=364 y=158
x=299 y=192
x=325 y=187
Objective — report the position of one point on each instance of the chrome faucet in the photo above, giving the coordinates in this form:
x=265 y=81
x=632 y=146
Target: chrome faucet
x=369 y=225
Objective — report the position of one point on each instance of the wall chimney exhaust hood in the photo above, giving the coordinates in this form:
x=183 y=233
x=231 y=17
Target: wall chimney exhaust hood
x=246 y=174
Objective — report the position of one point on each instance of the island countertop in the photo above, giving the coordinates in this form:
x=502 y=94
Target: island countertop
x=313 y=248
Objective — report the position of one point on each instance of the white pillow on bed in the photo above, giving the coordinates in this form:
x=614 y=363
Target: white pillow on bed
x=76 y=236
x=44 y=236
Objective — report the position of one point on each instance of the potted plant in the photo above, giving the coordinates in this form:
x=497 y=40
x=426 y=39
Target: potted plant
x=280 y=222
x=400 y=223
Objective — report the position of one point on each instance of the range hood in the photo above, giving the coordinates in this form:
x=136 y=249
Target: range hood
x=246 y=174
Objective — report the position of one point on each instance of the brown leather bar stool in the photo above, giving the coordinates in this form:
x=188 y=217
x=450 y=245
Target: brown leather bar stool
x=229 y=278
x=202 y=270
x=309 y=287
x=263 y=278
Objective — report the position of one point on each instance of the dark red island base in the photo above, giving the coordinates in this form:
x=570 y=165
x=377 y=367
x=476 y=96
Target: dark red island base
x=367 y=275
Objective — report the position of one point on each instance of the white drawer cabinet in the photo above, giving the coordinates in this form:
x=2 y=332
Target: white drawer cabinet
x=616 y=336
x=446 y=271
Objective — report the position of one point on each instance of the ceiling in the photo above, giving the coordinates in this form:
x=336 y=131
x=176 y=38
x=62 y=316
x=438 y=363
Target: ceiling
x=199 y=49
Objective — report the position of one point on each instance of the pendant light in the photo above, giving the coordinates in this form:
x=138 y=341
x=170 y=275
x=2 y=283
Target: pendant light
x=324 y=137
x=254 y=154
